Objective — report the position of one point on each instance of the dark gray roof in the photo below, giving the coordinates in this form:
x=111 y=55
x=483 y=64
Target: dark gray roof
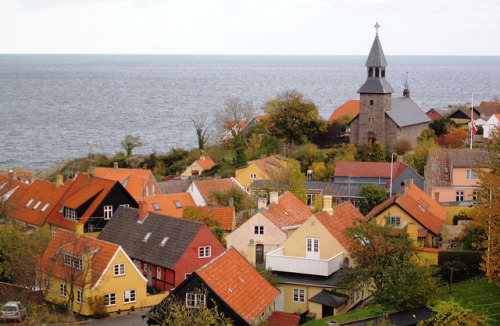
x=342 y=189
x=405 y=112
x=376 y=85
x=123 y=229
x=174 y=186
x=330 y=281
x=376 y=58
x=309 y=185
x=468 y=158
x=330 y=299
x=402 y=318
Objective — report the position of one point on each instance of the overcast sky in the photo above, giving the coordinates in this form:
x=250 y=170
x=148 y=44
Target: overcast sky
x=324 y=27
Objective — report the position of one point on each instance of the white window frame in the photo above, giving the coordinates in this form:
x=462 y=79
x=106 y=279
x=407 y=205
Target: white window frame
x=72 y=260
x=195 y=300
x=471 y=175
x=119 y=269
x=158 y=273
x=108 y=212
x=187 y=275
x=395 y=220
x=258 y=229
x=204 y=252
x=110 y=299
x=459 y=195
x=475 y=194
x=79 y=296
x=63 y=291
x=70 y=213
x=137 y=264
x=299 y=295
x=129 y=296
x=253 y=176
x=54 y=231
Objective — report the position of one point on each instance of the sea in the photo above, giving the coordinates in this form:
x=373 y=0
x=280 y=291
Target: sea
x=59 y=107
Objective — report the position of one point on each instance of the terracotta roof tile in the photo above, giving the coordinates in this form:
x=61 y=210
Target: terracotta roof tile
x=206 y=187
x=12 y=190
x=225 y=215
x=81 y=196
x=166 y=204
x=288 y=211
x=279 y=318
x=65 y=241
x=134 y=180
x=238 y=284
x=205 y=163
x=350 y=107
x=342 y=217
x=42 y=197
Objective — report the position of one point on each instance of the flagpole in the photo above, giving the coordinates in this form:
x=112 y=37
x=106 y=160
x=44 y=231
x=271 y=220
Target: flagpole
x=471 y=119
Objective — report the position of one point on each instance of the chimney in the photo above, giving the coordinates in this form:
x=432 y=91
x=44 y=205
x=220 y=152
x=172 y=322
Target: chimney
x=143 y=211
x=231 y=202
x=115 y=166
x=261 y=203
x=309 y=175
x=59 y=180
x=12 y=174
x=327 y=204
x=78 y=230
x=408 y=183
x=273 y=197
x=91 y=172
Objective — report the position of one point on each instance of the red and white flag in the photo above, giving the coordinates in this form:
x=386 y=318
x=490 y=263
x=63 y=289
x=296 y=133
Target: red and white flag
x=473 y=124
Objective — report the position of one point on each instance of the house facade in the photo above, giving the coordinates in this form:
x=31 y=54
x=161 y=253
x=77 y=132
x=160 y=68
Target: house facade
x=164 y=249
x=202 y=191
x=268 y=228
x=491 y=125
x=268 y=168
x=85 y=268
x=198 y=166
x=308 y=264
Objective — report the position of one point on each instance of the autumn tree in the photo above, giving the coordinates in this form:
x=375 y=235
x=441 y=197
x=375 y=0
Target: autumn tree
x=234 y=109
x=451 y=313
x=201 y=124
x=486 y=213
x=386 y=262
x=199 y=215
x=371 y=195
x=401 y=146
x=418 y=159
x=377 y=153
x=130 y=142
x=442 y=126
x=455 y=138
x=293 y=118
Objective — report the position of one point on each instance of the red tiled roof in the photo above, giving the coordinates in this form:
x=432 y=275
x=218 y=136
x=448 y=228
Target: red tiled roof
x=167 y=205
x=82 y=187
x=134 y=180
x=52 y=264
x=422 y=233
x=425 y=249
x=230 y=124
x=225 y=215
x=13 y=189
x=433 y=115
x=205 y=163
x=206 y=187
x=279 y=318
x=368 y=169
x=342 y=217
x=81 y=196
x=418 y=205
x=40 y=193
x=350 y=107
x=238 y=284
x=288 y=211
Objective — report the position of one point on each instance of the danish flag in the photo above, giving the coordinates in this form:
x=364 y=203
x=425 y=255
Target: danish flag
x=473 y=124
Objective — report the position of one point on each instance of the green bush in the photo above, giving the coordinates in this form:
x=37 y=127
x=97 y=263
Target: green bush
x=460 y=271
x=471 y=259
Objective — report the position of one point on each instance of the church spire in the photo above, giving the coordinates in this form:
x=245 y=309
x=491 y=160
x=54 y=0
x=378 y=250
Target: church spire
x=376 y=63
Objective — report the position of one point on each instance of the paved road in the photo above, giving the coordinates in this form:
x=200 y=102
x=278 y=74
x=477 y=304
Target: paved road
x=132 y=319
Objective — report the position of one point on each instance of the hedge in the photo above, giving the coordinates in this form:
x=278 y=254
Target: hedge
x=471 y=259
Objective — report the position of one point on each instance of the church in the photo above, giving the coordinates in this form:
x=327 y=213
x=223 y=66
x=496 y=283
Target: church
x=383 y=118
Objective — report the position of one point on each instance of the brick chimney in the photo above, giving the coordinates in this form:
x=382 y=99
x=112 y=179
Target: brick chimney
x=59 y=180
x=143 y=211
x=273 y=197
x=78 y=230
x=261 y=203
x=327 y=204
x=11 y=174
x=115 y=166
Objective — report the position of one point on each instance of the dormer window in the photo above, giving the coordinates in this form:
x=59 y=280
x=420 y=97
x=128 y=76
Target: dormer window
x=72 y=260
x=70 y=213
x=156 y=206
x=178 y=204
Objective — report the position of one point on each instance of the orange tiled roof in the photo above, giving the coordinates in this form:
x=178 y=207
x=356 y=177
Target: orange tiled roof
x=12 y=190
x=206 y=187
x=238 y=284
x=167 y=203
x=418 y=205
x=81 y=196
x=42 y=197
x=52 y=263
x=205 y=163
x=342 y=217
x=350 y=107
x=279 y=318
x=433 y=115
x=81 y=187
x=225 y=215
x=231 y=124
x=134 y=180
x=288 y=211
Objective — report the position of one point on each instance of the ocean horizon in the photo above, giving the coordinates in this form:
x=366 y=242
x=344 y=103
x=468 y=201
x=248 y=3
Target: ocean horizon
x=55 y=107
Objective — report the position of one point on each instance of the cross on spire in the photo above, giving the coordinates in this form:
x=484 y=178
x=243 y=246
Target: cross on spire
x=377 y=26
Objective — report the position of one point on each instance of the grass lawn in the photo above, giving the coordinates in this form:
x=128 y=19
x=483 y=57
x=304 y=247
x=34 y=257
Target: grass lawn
x=477 y=294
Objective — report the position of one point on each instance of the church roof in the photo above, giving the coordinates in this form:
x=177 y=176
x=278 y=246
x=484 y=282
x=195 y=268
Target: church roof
x=376 y=58
x=405 y=112
x=376 y=86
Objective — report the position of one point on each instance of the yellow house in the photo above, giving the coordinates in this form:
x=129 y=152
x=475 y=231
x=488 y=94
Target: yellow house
x=422 y=215
x=203 y=163
x=79 y=270
x=263 y=169
x=308 y=264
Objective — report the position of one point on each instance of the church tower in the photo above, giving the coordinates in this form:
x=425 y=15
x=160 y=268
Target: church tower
x=375 y=98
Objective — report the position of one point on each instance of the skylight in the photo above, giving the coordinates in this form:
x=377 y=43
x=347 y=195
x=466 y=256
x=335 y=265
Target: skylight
x=164 y=241
x=37 y=204
x=44 y=207
x=146 y=237
x=30 y=202
x=156 y=206
x=178 y=204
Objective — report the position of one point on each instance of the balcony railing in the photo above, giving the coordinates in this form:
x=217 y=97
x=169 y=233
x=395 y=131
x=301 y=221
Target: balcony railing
x=323 y=267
